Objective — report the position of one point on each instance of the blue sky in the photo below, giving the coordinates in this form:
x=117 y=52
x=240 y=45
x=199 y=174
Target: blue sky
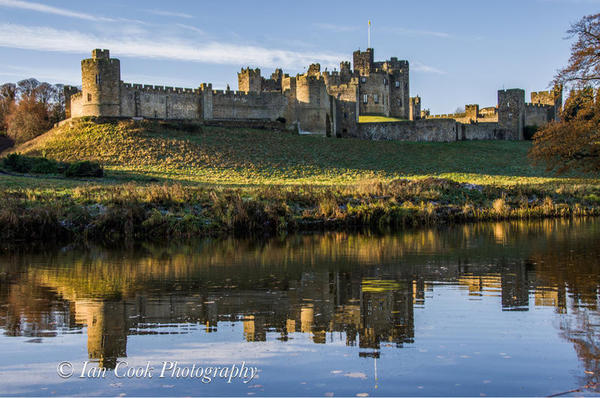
x=460 y=51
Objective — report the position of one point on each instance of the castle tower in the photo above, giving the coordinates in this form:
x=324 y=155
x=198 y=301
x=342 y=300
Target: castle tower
x=472 y=112
x=415 y=108
x=550 y=98
x=345 y=72
x=68 y=92
x=511 y=111
x=250 y=80
x=106 y=330
x=363 y=61
x=399 y=88
x=101 y=84
x=313 y=105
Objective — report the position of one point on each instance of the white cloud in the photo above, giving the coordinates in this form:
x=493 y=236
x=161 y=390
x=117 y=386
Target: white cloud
x=419 y=67
x=51 y=39
x=192 y=28
x=170 y=14
x=416 y=32
x=25 y=5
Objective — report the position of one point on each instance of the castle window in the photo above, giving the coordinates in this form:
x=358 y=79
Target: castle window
x=397 y=84
x=98 y=79
x=89 y=97
x=363 y=79
x=365 y=99
x=376 y=98
x=384 y=81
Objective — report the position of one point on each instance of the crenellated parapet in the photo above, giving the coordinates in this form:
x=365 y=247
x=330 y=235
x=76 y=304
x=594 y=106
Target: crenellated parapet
x=146 y=88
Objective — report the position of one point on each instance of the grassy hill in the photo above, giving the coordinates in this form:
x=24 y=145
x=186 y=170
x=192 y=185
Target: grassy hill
x=212 y=155
x=169 y=180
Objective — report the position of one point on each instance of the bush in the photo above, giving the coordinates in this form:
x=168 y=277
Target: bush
x=27 y=164
x=84 y=169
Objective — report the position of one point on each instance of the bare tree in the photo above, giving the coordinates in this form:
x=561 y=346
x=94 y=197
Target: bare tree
x=27 y=87
x=584 y=65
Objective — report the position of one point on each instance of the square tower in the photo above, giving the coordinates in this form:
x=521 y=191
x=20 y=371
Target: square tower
x=363 y=61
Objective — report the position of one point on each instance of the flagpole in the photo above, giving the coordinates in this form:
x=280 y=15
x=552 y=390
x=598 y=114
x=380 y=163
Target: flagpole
x=369 y=36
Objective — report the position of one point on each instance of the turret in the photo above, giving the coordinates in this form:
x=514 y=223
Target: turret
x=101 y=83
x=363 y=61
x=250 y=80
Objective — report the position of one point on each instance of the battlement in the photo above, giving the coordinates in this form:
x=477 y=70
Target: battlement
x=71 y=89
x=159 y=89
x=447 y=116
x=100 y=54
x=314 y=69
x=244 y=95
x=536 y=105
x=251 y=72
x=515 y=91
x=550 y=98
x=363 y=61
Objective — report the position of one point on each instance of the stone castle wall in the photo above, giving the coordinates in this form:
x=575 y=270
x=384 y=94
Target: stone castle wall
x=442 y=130
x=512 y=113
x=327 y=103
x=228 y=105
x=432 y=130
x=158 y=102
x=537 y=115
x=308 y=106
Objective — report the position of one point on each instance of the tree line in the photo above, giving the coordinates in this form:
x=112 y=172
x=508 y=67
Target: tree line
x=29 y=108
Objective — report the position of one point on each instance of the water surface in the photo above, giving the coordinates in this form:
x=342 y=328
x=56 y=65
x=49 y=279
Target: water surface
x=494 y=309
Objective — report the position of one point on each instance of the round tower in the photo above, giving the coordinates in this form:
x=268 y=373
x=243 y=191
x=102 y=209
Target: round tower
x=101 y=83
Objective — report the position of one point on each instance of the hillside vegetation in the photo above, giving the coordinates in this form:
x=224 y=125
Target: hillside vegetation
x=166 y=180
x=223 y=156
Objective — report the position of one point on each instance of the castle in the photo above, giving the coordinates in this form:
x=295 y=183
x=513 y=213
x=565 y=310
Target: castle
x=318 y=102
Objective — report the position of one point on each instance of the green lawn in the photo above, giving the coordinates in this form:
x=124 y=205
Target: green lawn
x=225 y=157
x=378 y=119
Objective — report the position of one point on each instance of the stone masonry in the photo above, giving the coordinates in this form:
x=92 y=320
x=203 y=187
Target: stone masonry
x=318 y=102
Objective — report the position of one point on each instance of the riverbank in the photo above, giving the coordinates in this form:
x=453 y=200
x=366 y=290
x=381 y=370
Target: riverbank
x=174 y=211
x=164 y=181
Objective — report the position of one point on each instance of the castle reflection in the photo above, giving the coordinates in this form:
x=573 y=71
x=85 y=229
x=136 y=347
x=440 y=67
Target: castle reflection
x=365 y=288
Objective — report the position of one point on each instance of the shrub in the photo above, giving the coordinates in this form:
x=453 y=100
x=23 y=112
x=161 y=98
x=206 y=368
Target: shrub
x=28 y=164
x=25 y=164
x=84 y=169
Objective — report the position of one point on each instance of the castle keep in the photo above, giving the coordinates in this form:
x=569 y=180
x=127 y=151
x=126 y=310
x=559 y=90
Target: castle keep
x=319 y=102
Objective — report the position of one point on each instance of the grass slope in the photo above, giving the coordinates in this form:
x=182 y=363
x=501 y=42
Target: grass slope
x=173 y=181
x=212 y=155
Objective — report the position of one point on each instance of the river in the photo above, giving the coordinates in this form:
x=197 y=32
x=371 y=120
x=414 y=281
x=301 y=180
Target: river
x=485 y=309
